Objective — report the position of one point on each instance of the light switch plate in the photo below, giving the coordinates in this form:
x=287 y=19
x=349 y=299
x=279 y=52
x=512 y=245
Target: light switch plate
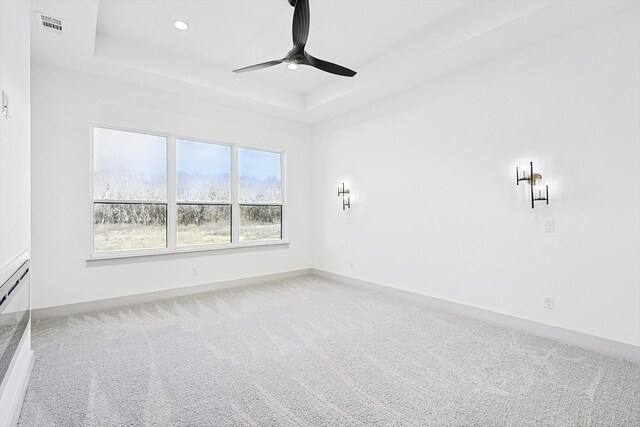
x=5 y=104
x=549 y=226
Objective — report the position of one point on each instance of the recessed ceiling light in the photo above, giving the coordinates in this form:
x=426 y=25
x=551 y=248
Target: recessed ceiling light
x=181 y=25
x=292 y=67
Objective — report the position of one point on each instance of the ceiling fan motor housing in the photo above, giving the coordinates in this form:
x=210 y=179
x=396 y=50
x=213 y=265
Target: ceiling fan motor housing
x=297 y=55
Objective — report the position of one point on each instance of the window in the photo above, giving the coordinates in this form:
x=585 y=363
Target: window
x=203 y=193
x=159 y=194
x=260 y=195
x=129 y=191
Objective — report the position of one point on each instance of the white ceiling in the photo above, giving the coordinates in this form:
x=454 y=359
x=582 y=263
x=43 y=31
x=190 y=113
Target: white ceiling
x=237 y=33
x=393 y=44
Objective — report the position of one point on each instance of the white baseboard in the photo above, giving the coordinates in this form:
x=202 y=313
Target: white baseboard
x=579 y=339
x=105 y=304
x=15 y=388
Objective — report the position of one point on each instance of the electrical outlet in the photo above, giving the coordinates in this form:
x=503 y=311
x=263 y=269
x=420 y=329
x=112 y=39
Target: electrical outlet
x=194 y=272
x=351 y=264
x=548 y=302
x=347 y=220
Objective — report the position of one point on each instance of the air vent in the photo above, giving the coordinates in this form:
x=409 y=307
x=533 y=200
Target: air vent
x=50 y=24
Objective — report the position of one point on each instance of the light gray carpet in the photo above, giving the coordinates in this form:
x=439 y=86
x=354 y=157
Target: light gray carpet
x=312 y=352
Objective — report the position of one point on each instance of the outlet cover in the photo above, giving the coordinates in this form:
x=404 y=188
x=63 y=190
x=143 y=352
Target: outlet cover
x=548 y=302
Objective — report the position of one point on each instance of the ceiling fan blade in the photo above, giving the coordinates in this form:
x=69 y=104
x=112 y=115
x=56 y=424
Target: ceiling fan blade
x=258 y=66
x=330 y=67
x=301 y=19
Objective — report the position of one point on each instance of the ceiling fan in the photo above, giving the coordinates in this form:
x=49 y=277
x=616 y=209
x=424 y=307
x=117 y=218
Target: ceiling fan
x=298 y=55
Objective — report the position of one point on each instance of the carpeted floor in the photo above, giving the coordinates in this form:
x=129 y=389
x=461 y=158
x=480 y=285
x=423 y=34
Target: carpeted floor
x=312 y=352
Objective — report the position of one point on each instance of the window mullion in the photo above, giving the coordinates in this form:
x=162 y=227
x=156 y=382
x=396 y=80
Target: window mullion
x=130 y=201
x=172 y=210
x=195 y=203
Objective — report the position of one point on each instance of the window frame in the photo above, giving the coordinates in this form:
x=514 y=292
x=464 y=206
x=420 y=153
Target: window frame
x=172 y=202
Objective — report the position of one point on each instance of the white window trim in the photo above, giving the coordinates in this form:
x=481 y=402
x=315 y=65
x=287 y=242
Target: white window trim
x=172 y=204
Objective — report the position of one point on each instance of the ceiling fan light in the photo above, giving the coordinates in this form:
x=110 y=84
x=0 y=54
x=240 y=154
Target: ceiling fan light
x=292 y=67
x=180 y=25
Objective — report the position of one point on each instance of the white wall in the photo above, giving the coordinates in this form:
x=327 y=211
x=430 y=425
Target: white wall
x=15 y=198
x=14 y=132
x=64 y=105
x=436 y=210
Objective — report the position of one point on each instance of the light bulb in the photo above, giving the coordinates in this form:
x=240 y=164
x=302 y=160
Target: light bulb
x=292 y=67
x=181 y=25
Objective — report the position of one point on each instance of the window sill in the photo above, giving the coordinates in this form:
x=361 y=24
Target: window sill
x=160 y=252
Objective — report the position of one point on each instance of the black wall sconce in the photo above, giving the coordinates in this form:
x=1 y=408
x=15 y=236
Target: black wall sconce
x=539 y=190
x=346 y=198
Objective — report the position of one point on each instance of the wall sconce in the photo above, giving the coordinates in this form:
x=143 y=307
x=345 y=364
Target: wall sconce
x=539 y=190
x=346 y=199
